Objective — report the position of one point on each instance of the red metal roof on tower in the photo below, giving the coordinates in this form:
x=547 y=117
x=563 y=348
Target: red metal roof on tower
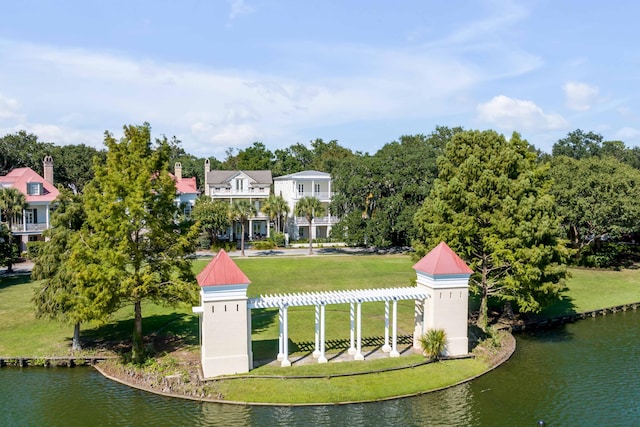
x=221 y=270
x=442 y=260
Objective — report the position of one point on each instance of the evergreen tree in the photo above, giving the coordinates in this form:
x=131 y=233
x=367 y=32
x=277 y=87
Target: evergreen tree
x=134 y=244
x=491 y=204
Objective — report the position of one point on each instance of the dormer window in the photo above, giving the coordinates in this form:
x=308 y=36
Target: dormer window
x=239 y=184
x=34 y=188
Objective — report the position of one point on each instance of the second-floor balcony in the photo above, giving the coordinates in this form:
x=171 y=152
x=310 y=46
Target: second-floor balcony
x=320 y=195
x=248 y=192
x=29 y=227
x=319 y=220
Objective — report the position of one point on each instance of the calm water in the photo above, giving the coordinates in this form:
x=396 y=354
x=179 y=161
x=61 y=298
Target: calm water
x=584 y=374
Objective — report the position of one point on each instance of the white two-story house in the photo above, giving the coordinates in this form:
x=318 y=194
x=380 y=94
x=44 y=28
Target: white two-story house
x=253 y=186
x=309 y=183
x=40 y=194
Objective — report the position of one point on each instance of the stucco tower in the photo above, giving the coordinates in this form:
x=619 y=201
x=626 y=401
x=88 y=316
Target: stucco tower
x=445 y=277
x=225 y=323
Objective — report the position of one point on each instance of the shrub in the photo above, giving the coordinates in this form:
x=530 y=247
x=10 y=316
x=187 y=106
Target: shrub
x=433 y=343
x=264 y=244
x=33 y=249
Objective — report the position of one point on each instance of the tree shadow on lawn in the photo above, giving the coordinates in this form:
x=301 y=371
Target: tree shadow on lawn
x=262 y=318
x=13 y=279
x=163 y=333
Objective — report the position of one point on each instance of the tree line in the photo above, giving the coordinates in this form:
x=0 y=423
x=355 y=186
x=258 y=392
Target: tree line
x=516 y=215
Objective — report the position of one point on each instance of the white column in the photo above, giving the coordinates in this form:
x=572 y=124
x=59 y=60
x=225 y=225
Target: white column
x=316 y=350
x=250 y=229
x=386 y=348
x=46 y=215
x=358 y=355
x=280 y=335
x=352 y=314
x=285 y=336
x=322 y=358
x=394 y=337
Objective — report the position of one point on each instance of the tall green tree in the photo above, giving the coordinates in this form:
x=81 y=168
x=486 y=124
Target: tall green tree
x=578 y=144
x=22 y=149
x=12 y=202
x=213 y=216
x=491 y=204
x=241 y=211
x=598 y=199
x=254 y=157
x=73 y=165
x=134 y=244
x=309 y=207
x=60 y=295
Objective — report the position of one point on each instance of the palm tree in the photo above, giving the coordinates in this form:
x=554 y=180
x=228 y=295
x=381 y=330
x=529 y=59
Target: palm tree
x=433 y=343
x=241 y=211
x=12 y=202
x=275 y=207
x=309 y=207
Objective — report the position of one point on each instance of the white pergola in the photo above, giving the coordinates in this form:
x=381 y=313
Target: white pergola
x=320 y=299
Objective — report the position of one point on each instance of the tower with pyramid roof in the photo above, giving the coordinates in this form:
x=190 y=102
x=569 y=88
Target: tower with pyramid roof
x=445 y=277
x=225 y=319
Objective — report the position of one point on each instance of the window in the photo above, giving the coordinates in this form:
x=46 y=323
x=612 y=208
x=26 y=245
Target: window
x=34 y=188
x=300 y=188
x=239 y=184
x=31 y=216
x=317 y=188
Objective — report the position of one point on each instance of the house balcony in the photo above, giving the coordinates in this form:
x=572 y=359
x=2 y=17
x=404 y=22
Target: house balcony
x=301 y=221
x=29 y=228
x=250 y=192
x=323 y=196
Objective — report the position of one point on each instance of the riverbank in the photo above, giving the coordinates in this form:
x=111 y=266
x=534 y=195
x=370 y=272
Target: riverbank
x=303 y=385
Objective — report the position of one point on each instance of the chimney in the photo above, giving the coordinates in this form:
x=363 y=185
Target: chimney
x=178 y=171
x=207 y=169
x=47 y=165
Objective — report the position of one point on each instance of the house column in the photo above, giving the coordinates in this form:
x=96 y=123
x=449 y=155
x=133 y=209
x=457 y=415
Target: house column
x=316 y=350
x=250 y=229
x=394 y=338
x=352 y=336
x=46 y=215
x=358 y=355
x=386 y=348
x=322 y=358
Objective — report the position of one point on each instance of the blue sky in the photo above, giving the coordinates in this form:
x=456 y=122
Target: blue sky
x=220 y=74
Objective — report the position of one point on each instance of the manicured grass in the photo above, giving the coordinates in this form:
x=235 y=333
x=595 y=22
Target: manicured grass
x=349 y=388
x=590 y=289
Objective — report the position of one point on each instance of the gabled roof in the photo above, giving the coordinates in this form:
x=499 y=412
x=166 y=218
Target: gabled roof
x=185 y=185
x=223 y=178
x=309 y=174
x=441 y=260
x=220 y=271
x=19 y=178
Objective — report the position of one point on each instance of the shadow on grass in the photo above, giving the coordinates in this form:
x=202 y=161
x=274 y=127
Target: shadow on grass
x=262 y=318
x=14 y=279
x=164 y=333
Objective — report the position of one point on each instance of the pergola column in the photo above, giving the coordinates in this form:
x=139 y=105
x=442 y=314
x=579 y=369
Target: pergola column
x=386 y=348
x=280 y=334
x=358 y=355
x=394 y=338
x=285 y=337
x=352 y=315
x=316 y=350
x=322 y=358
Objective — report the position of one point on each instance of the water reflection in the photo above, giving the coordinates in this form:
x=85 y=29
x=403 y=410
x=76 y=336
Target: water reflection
x=581 y=374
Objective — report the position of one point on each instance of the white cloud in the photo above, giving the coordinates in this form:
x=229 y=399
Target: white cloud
x=628 y=134
x=239 y=7
x=580 y=96
x=9 y=108
x=516 y=114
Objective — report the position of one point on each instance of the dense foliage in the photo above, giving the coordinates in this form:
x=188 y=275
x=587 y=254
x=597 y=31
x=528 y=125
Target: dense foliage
x=491 y=204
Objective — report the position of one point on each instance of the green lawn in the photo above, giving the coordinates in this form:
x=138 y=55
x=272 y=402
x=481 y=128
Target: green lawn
x=21 y=334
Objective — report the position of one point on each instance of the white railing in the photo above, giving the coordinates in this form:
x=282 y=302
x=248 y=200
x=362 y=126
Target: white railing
x=17 y=228
x=320 y=195
x=323 y=220
x=248 y=192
